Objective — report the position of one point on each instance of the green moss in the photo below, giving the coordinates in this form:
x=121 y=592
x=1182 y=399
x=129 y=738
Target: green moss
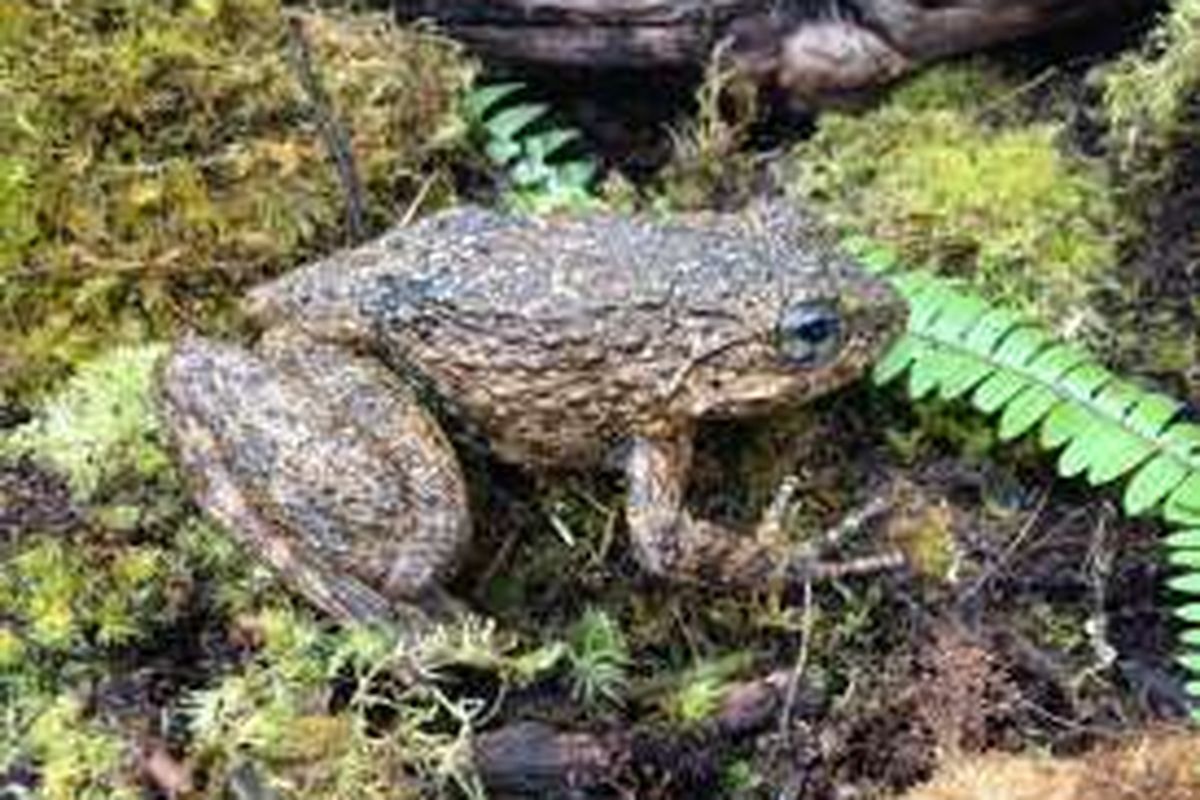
x=125 y=575
x=1152 y=102
x=942 y=173
x=101 y=432
x=64 y=596
x=923 y=531
x=68 y=606
x=100 y=425
x=158 y=156
x=1147 y=94
x=78 y=759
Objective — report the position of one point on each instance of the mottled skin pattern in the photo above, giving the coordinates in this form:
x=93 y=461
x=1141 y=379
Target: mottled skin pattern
x=565 y=341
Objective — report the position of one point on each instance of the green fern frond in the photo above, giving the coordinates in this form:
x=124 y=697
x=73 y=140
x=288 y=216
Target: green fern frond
x=1103 y=426
x=521 y=138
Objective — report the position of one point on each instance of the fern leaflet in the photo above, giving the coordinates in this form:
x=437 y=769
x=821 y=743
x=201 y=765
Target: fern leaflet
x=518 y=137
x=1103 y=426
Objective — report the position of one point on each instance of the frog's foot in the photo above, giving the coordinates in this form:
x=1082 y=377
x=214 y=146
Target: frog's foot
x=669 y=542
x=325 y=466
x=779 y=513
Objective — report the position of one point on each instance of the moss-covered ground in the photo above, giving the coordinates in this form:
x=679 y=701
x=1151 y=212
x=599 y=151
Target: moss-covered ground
x=157 y=158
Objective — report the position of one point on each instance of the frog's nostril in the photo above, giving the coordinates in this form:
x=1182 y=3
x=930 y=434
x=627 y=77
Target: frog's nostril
x=809 y=333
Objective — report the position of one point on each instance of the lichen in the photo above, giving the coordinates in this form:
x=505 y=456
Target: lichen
x=274 y=716
x=100 y=424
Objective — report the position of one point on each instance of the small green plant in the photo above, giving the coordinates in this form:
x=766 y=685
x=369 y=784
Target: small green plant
x=1104 y=427
x=710 y=164
x=535 y=154
x=701 y=689
x=599 y=659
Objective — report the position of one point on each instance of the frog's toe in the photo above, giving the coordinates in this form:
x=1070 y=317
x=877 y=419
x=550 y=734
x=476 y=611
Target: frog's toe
x=673 y=544
x=779 y=511
x=323 y=463
x=809 y=560
x=805 y=568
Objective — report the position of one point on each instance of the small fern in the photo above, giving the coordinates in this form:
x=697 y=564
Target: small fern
x=519 y=137
x=1104 y=427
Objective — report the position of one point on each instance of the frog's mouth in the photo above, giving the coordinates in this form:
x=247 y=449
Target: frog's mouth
x=817 y=348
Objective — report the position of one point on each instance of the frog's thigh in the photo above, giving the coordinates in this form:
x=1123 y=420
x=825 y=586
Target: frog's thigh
x=313 y=451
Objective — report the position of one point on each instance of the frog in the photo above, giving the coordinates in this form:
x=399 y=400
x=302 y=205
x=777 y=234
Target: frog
x=594 y=340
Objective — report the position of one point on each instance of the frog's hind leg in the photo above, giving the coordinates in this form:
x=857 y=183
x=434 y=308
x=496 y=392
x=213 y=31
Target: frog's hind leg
x=671 y=543
x=325 y=465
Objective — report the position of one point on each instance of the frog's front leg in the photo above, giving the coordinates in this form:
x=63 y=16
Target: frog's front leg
x=325 y=465
x=671 y=543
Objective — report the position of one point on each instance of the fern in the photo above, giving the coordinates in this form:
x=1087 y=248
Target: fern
x=519 y=138
x=1104 y=427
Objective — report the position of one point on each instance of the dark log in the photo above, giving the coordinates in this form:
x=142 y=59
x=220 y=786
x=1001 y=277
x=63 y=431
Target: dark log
x=814 y=48
x=534 y=759
x=590 y=33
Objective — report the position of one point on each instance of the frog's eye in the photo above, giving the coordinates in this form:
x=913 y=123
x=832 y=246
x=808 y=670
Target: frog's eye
x=809 y=334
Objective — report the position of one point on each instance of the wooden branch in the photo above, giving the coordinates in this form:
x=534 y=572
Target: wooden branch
x=925 y=31
x=593 y=33
x=535 y=759
x=812 y=47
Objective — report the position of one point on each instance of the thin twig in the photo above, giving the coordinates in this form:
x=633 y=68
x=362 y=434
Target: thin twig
x=793 y=684
x=1002 y=561
x=333 y=132
x=1099 y=568
x=414 y=207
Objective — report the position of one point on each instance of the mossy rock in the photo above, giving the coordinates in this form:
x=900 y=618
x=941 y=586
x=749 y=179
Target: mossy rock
x=950 y=173
x=160 y=156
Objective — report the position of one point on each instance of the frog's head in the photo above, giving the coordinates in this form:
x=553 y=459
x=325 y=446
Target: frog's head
x=815 y=332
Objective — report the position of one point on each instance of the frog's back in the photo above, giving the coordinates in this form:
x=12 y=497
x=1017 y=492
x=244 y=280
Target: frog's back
x=485 y=262
x=560 y=336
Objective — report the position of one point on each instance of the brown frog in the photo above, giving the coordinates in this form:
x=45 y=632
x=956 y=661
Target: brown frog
x=567 y=341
